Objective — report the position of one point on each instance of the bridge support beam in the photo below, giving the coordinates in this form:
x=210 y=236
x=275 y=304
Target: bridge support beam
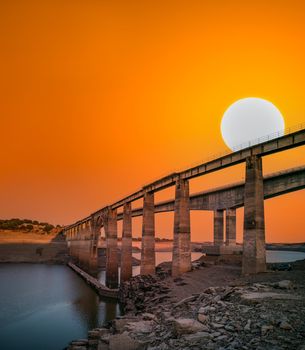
x=148 y=258
x=93 y=263
x=111 y=233
x=126 y=250
x=254 y=251
x=230 y=226
x=182 y=234
x=218 y=227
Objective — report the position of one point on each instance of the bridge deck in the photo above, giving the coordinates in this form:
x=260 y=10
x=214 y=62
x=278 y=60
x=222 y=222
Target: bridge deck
x=294 y=139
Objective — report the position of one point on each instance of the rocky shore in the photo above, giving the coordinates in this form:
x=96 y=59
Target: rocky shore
x=266 y=311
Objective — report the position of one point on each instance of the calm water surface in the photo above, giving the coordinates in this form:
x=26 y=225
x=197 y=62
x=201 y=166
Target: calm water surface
x=44 y=307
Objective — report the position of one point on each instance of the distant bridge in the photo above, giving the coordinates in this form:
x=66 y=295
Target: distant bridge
x=83 y=236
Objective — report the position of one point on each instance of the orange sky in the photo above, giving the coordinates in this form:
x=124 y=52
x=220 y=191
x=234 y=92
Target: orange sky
x=100 y=97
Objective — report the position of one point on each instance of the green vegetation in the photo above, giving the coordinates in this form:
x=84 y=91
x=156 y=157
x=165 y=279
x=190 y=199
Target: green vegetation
x=27 y=225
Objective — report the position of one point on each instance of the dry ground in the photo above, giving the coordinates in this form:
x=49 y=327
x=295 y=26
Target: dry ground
x=31 y=248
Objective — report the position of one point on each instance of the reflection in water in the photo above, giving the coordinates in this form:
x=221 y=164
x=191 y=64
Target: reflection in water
x=47 y=306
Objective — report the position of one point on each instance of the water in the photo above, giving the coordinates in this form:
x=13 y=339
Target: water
x=47 y=306
x=274 y=256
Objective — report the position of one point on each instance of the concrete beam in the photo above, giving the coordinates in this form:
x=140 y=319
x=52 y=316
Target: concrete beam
x=148 y=258
x=232 y=196
x=279 y=144
x=218 y=227
x=230 y=226
x=254 y=252
x=182 y=233
x=111 y=249
x=126 y=250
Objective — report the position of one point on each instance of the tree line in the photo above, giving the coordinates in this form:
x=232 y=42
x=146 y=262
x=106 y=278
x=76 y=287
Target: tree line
x=26 y=225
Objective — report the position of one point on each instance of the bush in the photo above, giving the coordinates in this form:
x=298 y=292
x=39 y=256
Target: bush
x=26 y=224
x=48 y=228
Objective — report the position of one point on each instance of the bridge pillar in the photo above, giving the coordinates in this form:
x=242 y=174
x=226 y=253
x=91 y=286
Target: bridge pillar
x=126 y=250
x=230 y=226
x=182 y=234
x=254 y=251
x=111 y=249
x=218 y=227
x=93 y=262
x=148 y=258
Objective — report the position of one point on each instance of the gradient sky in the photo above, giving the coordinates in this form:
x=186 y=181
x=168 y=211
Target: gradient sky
x=99 y=98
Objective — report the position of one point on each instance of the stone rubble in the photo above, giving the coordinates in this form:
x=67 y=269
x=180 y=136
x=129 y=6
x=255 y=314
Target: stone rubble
x=218 y=318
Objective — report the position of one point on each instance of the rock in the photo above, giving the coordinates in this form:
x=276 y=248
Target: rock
x=124 y=342
x=285 y=325
x=257 y=296
x=202 y=318
x=210 y=290
x=80 y=342
x=93 y=343
x=94 y=334
x=285 y=284
x=206 y=309
x=140 y=327
x=103 y=331
x=215 y=334
x=266 y=328
x=188 y=325
x=102 y=346
x=247 y=327
x=229 y=328
x=217 y=325
x=222 y=337
x=196 y=337
x=119 y=324
x=149 y=317
x=217 y=298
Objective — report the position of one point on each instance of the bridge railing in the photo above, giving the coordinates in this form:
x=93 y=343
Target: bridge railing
x=269 y=137
x=250 y=143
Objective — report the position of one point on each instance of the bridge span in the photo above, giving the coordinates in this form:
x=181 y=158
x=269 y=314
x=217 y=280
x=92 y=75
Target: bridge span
x=83 y=236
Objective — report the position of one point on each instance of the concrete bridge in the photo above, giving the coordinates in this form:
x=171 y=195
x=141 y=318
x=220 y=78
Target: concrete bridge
x=83 y=236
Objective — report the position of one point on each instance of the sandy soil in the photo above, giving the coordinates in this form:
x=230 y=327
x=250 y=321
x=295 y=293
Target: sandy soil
x=32 y=248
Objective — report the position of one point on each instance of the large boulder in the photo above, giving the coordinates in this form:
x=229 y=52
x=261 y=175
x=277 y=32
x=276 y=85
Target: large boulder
x=188 y=326
x=140 y=327
x=124 y=342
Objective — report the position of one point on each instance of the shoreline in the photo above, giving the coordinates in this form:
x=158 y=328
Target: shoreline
x=211 y=307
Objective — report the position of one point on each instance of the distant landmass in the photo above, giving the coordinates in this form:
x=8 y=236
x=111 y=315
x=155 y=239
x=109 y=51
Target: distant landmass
x=27 y=225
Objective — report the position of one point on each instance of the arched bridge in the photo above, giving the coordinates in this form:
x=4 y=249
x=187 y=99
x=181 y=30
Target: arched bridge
x=83 y=236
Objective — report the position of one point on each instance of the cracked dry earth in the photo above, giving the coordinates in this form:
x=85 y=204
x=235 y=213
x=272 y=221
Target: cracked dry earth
x=260 y=312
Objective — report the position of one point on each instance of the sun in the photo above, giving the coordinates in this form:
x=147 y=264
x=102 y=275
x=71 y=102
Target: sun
x=249 y=119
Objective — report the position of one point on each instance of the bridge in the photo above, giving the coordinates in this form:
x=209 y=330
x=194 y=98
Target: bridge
x=83 y=236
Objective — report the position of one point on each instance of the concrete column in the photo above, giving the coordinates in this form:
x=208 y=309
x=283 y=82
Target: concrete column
x=182 y=233
x=230 y=226
x=148 y=258
x=111 y=249
x=95 y=233
x=126 y=250
x=254 y=251
x=218 y=227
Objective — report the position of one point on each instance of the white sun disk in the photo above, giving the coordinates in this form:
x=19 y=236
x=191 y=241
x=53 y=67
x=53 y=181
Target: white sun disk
x=249 y=119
